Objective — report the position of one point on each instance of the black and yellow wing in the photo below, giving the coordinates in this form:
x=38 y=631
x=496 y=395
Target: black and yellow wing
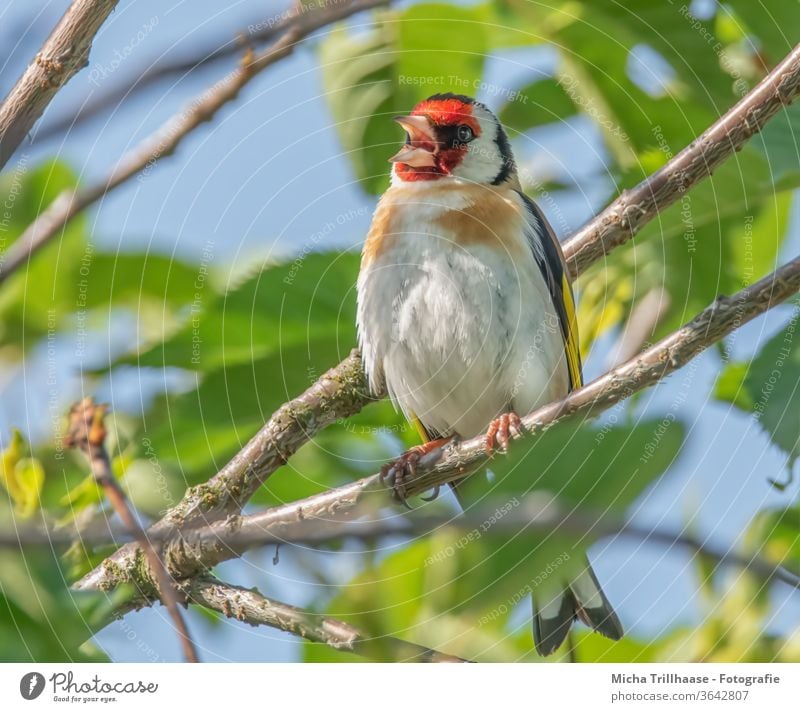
x=548 y=255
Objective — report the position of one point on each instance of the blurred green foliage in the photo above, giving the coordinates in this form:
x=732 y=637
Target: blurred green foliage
x=648 y=78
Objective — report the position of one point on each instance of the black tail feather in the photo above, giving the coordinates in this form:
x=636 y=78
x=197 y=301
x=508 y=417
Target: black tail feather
x=581 y=599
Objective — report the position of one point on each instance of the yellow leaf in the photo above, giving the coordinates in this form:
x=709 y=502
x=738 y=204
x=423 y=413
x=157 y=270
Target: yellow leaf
x=8 y=462
x=30 y=480
x=22 y=478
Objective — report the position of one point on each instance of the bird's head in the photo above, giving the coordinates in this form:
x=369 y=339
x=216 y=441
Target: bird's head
x=453 y=136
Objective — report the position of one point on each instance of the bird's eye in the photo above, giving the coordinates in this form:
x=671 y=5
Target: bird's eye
x=464 y=134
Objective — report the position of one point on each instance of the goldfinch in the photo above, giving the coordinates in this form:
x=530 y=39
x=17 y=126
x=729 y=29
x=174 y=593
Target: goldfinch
x=465 y=312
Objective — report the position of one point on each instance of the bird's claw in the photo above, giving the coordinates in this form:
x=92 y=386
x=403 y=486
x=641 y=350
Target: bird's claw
x=397 y=472
x=434 y=495
x=501 y=430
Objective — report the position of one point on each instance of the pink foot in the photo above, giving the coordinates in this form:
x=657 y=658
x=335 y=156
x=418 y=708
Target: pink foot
x=501 y=430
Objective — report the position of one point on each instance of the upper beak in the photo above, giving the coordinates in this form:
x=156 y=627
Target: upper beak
x=420 y=150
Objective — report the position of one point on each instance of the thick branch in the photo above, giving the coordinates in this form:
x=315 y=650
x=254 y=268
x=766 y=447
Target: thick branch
x=629 y=213
x=339 y=393
x=62 y=56
x=251 y=607
x=166 y=140
x=457 y=460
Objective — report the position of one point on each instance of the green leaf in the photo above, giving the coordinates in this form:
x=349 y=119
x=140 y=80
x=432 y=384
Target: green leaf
x=724 y=234
x=779 y=140
x=441 y=48
x=371 y=78
x=359 y=76
x=41 y=295
x=542 y=102
x=282 y=306
x=593 y=648
x=604 y=468
x=30 y=480
x=41 y=620
x=417 y=594
x=453 y=590
x=254 y=348
x=730 y=386
x=775 y=535
x=137 y=278
x=774 y=24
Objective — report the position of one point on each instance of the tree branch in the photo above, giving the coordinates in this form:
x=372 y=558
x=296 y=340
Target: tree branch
x=164 y=141
x=539 y=512
x=62 y=56
x=535 y=513
x=457 y=460
x=339 y=393
x=87 y=432
x=253 y=608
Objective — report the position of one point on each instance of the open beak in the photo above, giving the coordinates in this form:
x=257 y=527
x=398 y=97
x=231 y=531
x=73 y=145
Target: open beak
x=420 y=150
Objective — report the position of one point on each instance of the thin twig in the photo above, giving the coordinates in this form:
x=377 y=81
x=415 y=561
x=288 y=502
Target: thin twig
x=87 y=432
x=457 y=460
x=539 y=512
x=165 y=140
x=62 y=56
x=642 y=322
x=251 y=607
x=533 y=514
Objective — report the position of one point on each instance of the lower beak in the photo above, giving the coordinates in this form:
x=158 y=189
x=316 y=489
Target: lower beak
x=414 y=157
x=420 y=150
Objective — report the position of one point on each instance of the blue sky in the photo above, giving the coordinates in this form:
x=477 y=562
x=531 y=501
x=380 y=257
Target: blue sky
x=261 y=180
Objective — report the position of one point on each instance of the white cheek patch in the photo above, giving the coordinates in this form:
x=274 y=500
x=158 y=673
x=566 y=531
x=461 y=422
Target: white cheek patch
x=484 y=160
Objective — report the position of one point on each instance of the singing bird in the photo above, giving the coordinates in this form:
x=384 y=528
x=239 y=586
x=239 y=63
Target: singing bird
x=465 y=310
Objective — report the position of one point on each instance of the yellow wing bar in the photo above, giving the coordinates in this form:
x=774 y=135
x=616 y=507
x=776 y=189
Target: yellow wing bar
x=572 y=343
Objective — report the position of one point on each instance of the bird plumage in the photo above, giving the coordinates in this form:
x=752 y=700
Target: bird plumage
x=465 y=311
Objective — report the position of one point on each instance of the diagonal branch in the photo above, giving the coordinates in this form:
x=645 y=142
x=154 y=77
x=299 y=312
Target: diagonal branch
x=87 y=432
x=253 y=608
x=338 y=393
x=457 y=460
x=165 y=140
x=62 y=56
x=535 y=513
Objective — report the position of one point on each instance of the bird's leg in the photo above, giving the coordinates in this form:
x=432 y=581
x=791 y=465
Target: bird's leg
x=500 y=431
x=399 y=471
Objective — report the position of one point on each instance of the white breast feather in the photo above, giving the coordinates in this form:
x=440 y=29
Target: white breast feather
x=457 y=334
